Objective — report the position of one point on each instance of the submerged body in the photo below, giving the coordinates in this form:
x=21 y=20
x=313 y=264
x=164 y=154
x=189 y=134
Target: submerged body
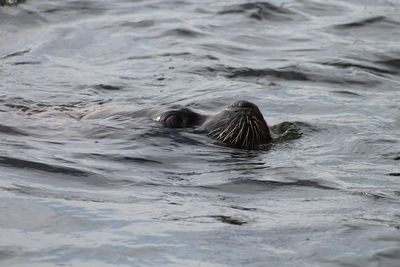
x=240 y=125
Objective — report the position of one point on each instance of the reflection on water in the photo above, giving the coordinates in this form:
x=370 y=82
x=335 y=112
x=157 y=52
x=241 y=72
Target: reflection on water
x=89 y=178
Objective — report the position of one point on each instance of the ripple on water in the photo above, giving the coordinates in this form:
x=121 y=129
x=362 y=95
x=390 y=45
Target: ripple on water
x=10 y=130
x=48 y=170
x=249 y=186
x=378 y=21
x=391 y=62
x=359 y=65
x=262 y=11
x=382 y=26
x=289 y=73
x=88 y=178
x=322 y=9
x=183 y=32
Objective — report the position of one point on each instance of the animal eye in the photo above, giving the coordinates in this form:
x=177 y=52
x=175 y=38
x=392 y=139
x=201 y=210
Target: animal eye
x=173 y=121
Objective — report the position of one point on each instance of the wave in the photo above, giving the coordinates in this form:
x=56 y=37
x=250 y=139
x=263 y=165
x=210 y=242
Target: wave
x=377 y=20
x=10 y=130
x=252 y=186
x=119 y=158
x=363 y=66
x=289 y=73
x=242 y=72
x=261 y=11
x=183 y=32
x=28 y=164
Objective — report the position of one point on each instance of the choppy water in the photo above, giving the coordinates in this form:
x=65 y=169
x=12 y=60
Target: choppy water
x=118 y=189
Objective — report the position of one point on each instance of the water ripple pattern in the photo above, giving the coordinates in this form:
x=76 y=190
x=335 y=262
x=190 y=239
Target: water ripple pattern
x=88 y=178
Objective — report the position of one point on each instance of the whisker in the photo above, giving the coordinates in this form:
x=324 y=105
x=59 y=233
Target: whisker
x=246 y=139
x=256 y=131
x=226 y=129
x=253 y=133
x=239 y=135
x=241 y=131
x=231 y=133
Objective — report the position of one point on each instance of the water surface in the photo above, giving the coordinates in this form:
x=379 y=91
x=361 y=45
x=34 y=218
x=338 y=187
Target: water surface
x=119 y=189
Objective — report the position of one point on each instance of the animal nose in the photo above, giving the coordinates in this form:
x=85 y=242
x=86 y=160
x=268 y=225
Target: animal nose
x=243 y=104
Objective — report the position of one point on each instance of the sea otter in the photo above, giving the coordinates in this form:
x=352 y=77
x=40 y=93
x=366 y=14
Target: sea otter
x=240 y=125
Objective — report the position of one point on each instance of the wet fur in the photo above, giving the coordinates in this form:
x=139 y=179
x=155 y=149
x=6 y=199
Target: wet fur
x=240 y=125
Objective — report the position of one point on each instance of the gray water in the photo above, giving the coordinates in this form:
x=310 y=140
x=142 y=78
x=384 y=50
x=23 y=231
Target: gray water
x=86 y=182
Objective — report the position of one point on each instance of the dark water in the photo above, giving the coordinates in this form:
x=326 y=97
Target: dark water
x=87 y=182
